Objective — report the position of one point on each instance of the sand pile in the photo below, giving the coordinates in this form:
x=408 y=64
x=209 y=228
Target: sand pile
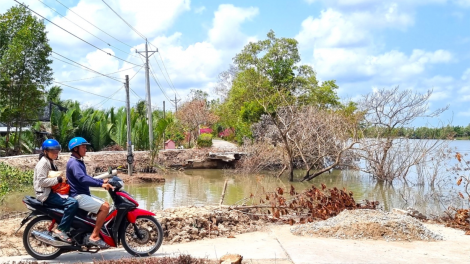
x=369 y=224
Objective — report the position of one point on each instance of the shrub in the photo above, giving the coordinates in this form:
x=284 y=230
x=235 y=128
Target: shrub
x=204 y=140
x=205 y=130
x=228 y=134
x=14 y=179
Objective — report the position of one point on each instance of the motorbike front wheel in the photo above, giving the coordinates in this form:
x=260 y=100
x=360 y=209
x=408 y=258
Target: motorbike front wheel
x=38 y=249
x=151 y=236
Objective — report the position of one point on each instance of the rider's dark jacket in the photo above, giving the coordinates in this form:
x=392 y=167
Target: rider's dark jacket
x=77 y=178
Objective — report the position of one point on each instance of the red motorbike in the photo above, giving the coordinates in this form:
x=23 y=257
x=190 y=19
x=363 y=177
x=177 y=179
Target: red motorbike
x=137 y=229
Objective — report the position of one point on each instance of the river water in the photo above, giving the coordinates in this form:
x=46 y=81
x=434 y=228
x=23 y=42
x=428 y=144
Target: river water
x=204 y=187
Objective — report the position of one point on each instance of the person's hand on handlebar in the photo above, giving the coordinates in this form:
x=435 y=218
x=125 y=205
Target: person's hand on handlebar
x=107 y=186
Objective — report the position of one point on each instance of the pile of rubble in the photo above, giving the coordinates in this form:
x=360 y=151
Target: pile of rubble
x=184 y=224
x=97 y=162
x=369 y=224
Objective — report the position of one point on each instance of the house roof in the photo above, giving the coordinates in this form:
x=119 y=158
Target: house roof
x=168 y=141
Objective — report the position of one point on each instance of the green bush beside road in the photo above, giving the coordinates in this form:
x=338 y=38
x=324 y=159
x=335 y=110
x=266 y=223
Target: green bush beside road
x=13 y=179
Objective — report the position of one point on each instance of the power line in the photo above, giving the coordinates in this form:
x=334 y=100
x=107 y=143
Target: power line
x=172 y=85
x=107 y=99
x=80 y=66
x=92 y=24
x=164 y=76
x=112 y=78
x=105 y=42
x=135 y=30
x=163 y=92
x=99 y=75
x=111 y=96
x=75 y=35
x=86 y=91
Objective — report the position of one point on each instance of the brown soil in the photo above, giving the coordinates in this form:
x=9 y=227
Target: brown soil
x=11 y=243
x=99 y=162
x=142 y=178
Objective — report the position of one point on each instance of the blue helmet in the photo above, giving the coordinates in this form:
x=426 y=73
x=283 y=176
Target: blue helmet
x=77 y=141
x=50 y=144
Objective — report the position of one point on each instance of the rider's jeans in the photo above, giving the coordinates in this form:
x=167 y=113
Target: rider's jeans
x=70 y=206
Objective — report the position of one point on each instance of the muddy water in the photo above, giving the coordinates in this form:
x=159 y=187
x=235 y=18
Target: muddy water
x=204 y=187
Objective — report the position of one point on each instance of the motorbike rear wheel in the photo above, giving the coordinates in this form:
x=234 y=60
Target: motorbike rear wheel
x=38 y=249
x=151 y=233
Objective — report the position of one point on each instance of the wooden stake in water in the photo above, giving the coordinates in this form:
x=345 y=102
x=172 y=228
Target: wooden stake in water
x=223 y=192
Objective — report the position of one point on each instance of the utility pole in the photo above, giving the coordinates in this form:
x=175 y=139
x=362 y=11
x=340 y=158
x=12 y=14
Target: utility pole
x=163 y=130
x=130 y=156
x=176 y=103
x=147 y=80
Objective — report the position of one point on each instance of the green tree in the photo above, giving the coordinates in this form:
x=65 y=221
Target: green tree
x=53 y=94
x=24 y=68
x=270 y=81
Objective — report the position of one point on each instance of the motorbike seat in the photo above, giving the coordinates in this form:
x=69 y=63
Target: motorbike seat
x=35 y=202
x=31 y=201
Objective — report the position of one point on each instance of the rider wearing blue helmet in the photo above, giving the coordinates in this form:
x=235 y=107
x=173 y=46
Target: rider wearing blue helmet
x=80 y=182
x=42 y=186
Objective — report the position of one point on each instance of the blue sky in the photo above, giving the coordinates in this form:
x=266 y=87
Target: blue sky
x=362 y=44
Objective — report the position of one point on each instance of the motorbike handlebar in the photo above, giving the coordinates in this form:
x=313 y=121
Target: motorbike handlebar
x=106 y=175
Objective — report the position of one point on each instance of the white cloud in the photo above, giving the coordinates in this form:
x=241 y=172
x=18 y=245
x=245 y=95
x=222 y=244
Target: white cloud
x=156 y=17
x=346 y=46
x=332 y=29
x=225 y=32
x=32 y=4
x=373 y=4
x=358 y=65
x=197 y=63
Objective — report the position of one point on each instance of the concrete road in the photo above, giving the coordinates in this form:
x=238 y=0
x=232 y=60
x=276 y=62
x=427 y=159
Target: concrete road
x=223 y=145
x=278 y=245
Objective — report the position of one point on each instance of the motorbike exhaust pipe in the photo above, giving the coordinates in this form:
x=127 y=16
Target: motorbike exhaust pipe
x=48 y=239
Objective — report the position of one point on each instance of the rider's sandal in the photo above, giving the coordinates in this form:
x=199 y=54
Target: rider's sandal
x=98 y=243
x=62 y=236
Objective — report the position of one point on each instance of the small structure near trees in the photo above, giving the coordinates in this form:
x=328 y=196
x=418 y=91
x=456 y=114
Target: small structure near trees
x=169 y=144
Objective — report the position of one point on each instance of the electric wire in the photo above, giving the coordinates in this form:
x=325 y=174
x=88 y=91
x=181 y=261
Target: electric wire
x=87 y=91
x=92 y=24
x=105 y=42
x=135 y=30
x=164 y=76
x=112 y=78
x=111 y=96
x=75 y=35
x=155 y=79
x=172 y=85
x=107 y=99
x=99 y=75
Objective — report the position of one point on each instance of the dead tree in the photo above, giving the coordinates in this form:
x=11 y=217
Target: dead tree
x=388 y=156
x=312 y=138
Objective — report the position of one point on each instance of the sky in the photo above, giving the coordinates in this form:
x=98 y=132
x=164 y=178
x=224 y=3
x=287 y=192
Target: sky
x=364 y=45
